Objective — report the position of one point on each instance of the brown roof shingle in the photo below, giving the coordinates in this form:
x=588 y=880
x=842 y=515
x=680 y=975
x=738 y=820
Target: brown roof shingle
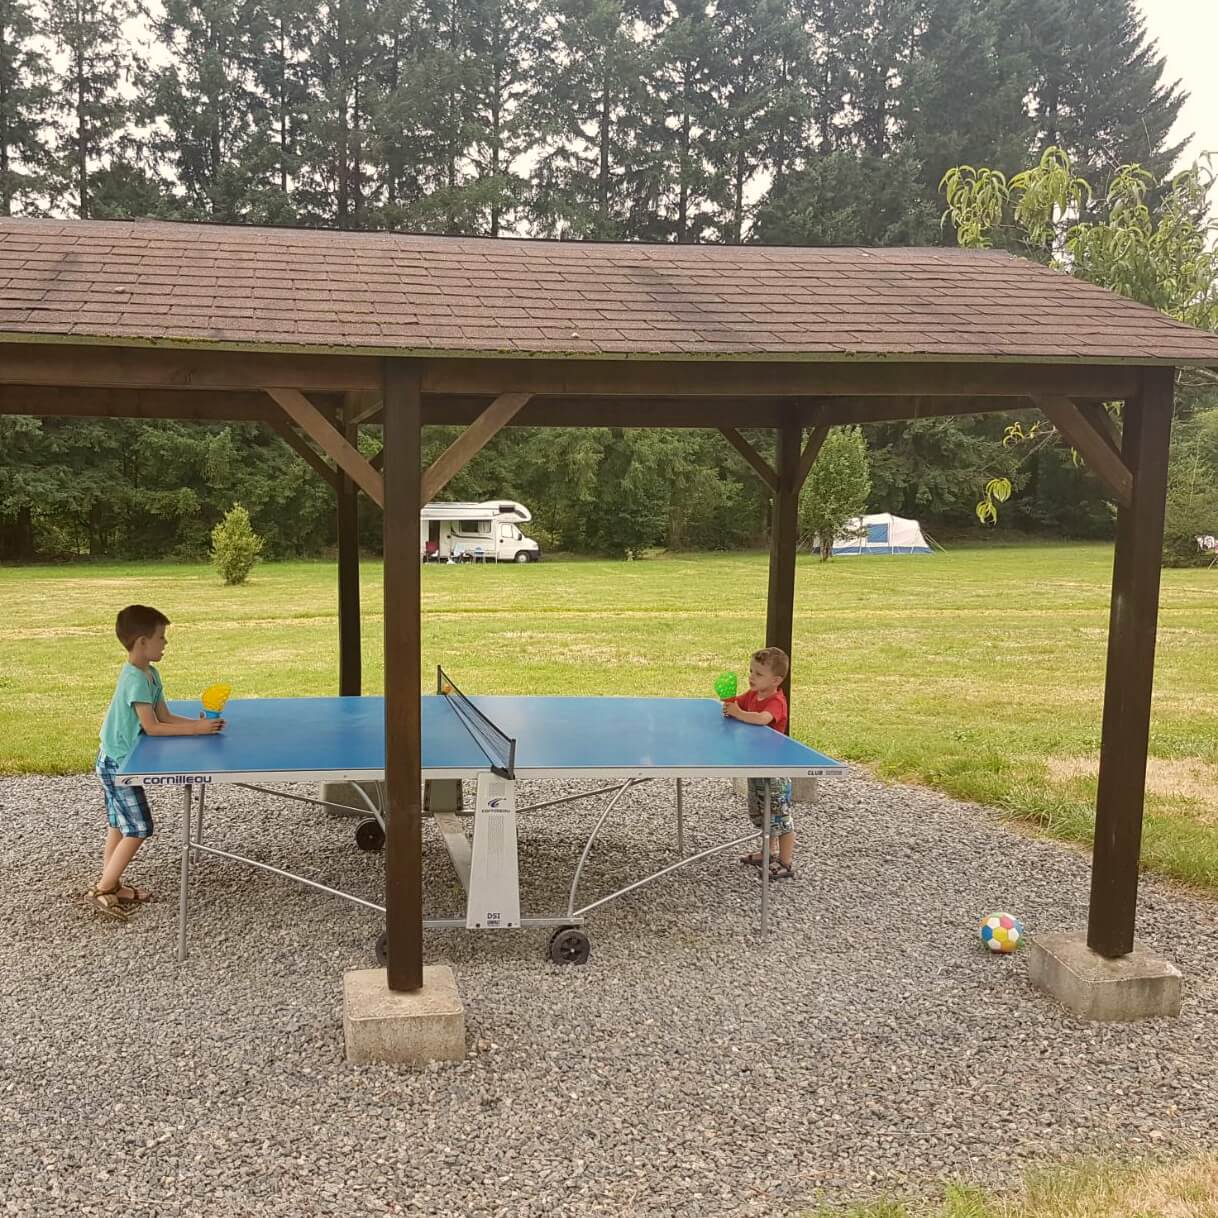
x=394 y=293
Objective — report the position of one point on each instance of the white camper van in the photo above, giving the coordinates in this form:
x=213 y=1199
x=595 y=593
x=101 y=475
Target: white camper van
x=476 y=532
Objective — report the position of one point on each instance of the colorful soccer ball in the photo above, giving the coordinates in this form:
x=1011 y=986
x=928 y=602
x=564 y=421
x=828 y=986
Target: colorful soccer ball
x=1001 y=932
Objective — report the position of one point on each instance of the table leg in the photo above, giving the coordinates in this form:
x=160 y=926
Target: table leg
x=680 y=823
x=765 y=863
x=199 y=822
x=184 y=878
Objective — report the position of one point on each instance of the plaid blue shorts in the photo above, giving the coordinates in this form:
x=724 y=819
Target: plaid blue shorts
x=126 y=807
x=781 y=820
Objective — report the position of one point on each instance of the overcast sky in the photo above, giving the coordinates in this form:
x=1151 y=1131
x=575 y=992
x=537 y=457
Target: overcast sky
x=1187 y=34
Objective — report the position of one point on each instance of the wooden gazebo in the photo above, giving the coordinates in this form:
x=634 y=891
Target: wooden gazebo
x=315 y=333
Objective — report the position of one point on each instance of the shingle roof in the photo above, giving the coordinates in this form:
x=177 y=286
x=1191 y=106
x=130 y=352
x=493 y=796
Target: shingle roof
x=392 y=293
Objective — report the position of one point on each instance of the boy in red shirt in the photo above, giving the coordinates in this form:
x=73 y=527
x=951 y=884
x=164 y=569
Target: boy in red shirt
x=765 y=704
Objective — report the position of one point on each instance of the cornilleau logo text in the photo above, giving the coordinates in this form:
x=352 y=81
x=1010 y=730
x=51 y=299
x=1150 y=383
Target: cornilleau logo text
x=174 y=780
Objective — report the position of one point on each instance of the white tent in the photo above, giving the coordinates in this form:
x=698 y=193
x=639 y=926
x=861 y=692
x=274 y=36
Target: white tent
x=880 y=533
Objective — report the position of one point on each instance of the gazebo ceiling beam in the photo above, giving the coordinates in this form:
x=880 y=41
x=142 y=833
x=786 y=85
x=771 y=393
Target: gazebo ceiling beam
x=895 y=408
x=198 y=367
x=744 y=379
x=713 y=412
x=1092 y=445
x=204 y=406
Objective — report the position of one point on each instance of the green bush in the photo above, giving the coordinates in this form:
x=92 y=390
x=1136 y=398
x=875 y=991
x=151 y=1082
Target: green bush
x=1192 y=503
x=235 y=546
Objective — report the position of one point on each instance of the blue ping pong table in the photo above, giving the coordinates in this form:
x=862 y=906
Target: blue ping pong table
x=494 y=741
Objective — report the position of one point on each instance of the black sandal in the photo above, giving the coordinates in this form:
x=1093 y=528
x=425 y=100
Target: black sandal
x=751 y=860
x=782 y=871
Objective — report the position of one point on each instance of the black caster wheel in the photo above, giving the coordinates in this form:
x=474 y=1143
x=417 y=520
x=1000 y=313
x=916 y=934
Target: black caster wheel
x=382 y=949
x=369 y=835
x=569 y=945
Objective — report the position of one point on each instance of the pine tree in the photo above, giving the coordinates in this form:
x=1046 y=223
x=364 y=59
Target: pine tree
x=749 y=35
x=24 y=103
x=338 y=183
x=965 y=97
x=203 y=98
x=848 y=198
x=1098 y=87
x=588 y=108
x=90 y=123
x=437 y=99
x=280 y=38
x=502 y=39
x=681 y=111
x=876 y=45
x=827 y=70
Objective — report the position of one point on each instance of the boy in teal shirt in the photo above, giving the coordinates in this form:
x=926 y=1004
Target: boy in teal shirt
x=138 y=705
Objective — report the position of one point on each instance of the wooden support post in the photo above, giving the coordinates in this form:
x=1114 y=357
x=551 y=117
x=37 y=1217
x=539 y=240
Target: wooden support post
x=784 y=537
x=403 y=679
x=350 y=676
x=1131 y=660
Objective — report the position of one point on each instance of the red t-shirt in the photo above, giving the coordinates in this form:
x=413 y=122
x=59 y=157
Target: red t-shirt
x=775 y=705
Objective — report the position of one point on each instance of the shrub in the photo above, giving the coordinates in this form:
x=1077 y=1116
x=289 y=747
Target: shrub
x=235 y=546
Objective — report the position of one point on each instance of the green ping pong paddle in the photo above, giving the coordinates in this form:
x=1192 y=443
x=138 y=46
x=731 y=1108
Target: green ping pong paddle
x=725 y=686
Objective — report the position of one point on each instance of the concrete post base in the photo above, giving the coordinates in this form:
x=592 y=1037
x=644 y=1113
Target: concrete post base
x=1137 y=986
x=344 y=793
x=803 y=790
x=381 y=1025
x=442 y=795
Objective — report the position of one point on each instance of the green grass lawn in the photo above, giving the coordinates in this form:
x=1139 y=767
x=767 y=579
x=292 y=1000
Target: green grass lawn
x=979 y=671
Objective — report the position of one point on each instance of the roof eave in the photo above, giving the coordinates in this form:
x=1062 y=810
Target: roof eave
x=755 y=357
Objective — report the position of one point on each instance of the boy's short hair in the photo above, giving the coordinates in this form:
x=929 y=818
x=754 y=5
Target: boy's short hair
x=137 y=622
x=775 y=659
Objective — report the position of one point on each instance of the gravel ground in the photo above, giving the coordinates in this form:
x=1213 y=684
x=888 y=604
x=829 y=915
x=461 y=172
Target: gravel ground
x=868 y=1045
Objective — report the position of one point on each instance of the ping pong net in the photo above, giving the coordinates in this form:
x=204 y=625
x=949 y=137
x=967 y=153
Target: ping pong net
x=498 y=747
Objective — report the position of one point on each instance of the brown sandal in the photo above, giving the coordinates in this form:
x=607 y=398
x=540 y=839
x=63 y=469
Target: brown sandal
x=128 y=894
x=107 y=902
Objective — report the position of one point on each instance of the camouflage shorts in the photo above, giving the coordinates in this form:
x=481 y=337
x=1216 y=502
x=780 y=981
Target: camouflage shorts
x=780 y=804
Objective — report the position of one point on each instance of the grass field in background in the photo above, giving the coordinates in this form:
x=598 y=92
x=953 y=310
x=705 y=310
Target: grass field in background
x=978 y=671
x=1087 y=1190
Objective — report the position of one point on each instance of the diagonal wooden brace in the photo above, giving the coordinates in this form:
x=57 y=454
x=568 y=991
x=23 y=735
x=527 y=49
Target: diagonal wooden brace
x=807 y=458
x=1098 y=417
x=296 y=441
x=332 y=442
x=361 y=406
x=752 y=456
x=1093 y=446
x=471 y=442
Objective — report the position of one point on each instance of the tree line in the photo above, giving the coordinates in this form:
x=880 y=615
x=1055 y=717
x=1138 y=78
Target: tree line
x=802 y=121
x=681 y=120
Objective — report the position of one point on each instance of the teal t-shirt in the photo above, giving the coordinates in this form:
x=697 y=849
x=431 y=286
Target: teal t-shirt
x=121 y=726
